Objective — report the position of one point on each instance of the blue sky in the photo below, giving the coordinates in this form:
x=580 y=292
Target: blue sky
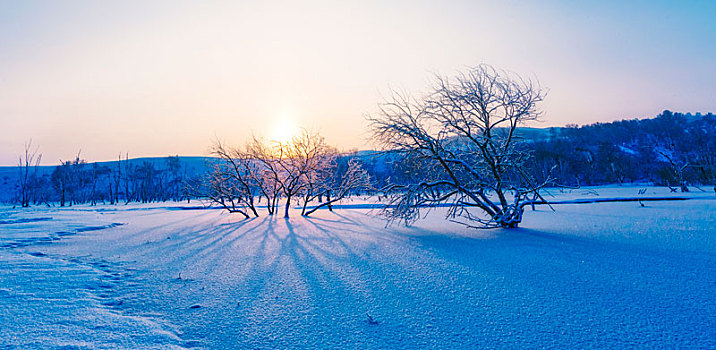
x=166 y=77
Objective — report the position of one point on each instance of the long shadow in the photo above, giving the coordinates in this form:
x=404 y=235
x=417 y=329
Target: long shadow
x=324 y=263
x=311 y=255
x=183 y=222
x=195 y=244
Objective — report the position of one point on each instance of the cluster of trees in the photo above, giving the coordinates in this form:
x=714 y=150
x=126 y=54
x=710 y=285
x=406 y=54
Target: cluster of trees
x=302 y=171
x=673 y=149
x=76 y=181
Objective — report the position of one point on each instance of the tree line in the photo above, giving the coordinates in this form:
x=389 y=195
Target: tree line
x=77 y=182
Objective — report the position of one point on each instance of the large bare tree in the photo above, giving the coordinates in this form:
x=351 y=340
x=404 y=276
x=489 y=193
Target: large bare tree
x=461 y=141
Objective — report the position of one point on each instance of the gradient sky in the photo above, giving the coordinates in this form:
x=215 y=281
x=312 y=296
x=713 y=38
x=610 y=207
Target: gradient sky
x=157 y=78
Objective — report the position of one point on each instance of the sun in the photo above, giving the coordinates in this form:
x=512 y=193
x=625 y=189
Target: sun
x=283 y=130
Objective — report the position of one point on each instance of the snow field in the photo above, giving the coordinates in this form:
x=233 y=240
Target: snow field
x=607 y=275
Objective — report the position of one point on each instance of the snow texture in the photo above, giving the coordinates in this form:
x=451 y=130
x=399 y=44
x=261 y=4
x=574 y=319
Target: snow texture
x=595 y=275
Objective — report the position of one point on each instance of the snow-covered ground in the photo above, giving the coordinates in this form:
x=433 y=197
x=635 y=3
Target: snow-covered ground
x=599 y=275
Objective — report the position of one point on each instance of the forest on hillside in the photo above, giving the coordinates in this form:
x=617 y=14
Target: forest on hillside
x=673 y=149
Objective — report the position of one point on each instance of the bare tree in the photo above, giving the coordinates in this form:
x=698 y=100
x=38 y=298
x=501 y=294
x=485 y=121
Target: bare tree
x=115 y=180
x=240 y=177
x=232 y=180
x=302 y=162
x=267 y=172
x=128 y=193
x=461 y=139
x=69 y=178
x=327 y=181
x=28 y=163
x=320 y=179
x=676 y=169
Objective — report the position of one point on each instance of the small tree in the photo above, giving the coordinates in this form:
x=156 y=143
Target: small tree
x=675 y=171
x=328 y=180
x=114 y=182
x=461 y=140
x=68 y=179
x=231 y=181
x=27 y=164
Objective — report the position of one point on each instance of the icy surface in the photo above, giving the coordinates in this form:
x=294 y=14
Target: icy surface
x=607 y=275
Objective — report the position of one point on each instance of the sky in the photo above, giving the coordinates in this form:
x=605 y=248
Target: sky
x=158 y=78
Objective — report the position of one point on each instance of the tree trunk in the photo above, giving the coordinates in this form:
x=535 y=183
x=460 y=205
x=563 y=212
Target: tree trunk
x=288 y=205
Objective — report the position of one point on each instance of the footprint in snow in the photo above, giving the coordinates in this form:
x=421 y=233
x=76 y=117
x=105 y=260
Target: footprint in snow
x=113 y=303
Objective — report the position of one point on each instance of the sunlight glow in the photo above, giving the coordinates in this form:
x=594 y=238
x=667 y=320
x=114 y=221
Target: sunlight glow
x=283 y=130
